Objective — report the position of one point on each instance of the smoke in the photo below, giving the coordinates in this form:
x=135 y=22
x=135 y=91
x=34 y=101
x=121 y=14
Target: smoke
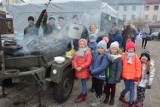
x=59 y=40
x=42 y=44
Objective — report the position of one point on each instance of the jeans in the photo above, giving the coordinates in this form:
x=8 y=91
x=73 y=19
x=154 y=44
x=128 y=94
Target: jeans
x=144 y=42
x=129 y=86
x=84 y=86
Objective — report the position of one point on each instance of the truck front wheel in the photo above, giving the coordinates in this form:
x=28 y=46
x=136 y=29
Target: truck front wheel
x=62 y=90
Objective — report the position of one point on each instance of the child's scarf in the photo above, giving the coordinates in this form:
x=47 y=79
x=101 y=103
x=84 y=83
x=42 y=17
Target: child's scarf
x=81 y=51
x=129 y=57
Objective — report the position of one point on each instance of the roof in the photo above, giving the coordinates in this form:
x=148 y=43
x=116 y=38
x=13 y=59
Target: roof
x=151 y=1
x=57 y=6
x=131 y=2
x=123 y=2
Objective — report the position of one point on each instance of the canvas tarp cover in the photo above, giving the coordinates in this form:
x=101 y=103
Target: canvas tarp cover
x=87 y=11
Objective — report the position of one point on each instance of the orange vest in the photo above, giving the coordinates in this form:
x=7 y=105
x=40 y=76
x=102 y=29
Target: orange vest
x=131 y=71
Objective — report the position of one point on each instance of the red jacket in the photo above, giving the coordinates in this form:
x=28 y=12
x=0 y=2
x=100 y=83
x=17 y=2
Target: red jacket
x=83 y=62
x=131 y=71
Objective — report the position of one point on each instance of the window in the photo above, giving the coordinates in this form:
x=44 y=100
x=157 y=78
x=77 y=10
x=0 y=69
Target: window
x=146 y=17
x=154 y=17
x=133 y=17
x=124 y=8
x=133 y=7
x=156 y=7
x=146 y=8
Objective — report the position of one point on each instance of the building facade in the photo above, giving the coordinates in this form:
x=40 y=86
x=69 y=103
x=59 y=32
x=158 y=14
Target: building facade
x=131 y=10
x=6 y=3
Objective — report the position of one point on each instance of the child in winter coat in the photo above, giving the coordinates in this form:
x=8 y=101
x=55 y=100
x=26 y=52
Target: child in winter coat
x=115 y=69
x=93 y=46
x=148 y=72
x=131 y=72
x=81 y=63
x=97 y=69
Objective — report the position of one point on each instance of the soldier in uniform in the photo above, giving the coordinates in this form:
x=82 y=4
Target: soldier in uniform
x=33 y=28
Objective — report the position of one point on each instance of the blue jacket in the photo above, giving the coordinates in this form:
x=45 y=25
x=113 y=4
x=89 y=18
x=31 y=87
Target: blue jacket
x=116 y=37
x=98 y=66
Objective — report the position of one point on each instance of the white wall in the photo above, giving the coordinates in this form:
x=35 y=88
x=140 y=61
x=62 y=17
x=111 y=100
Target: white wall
x=139 y=12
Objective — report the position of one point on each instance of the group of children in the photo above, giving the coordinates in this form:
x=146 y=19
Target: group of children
x=111 y=66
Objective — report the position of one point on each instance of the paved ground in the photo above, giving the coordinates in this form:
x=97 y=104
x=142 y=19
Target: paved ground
x=26 y=92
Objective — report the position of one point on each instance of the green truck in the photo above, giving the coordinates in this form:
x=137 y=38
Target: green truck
x=17 y=63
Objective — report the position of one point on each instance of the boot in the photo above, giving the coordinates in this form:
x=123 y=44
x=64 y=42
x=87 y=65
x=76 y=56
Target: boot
x=139 y=104
x=122 y=98
x=81 y=98
x=111 y=102
x=106 y=100
x=136 y=101
x=127 y=104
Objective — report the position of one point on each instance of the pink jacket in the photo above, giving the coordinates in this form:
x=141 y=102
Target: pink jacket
x=83 y=62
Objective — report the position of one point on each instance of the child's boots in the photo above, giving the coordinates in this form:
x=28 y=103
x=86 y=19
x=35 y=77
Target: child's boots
x=122 y=98
x=111 y=102
x=81 y=98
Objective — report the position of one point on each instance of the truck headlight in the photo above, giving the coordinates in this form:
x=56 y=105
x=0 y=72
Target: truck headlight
x=54 y=71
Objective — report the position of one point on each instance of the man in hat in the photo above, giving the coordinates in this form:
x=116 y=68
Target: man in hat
x=33 y=28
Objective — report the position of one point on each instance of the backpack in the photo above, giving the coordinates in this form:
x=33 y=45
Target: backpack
x=107 y=72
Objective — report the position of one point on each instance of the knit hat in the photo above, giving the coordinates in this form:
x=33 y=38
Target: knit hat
x=31 y=18
x=92 y=37
x=84 y=40
x=106 y=39
x=52 y=18
x=130 y=44
x=145 y=53
x=102 y=44
x=114 y=45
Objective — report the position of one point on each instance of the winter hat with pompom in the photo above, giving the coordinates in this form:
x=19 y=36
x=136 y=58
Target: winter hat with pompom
x=102 y=44
x=114 y=45
x=130 y=44
x=145 y=53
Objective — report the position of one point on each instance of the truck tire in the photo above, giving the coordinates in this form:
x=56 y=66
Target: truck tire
x=7 y=83
x=62 y=90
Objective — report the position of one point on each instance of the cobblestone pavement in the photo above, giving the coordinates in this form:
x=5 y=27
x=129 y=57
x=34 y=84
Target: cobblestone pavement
x=26 y=93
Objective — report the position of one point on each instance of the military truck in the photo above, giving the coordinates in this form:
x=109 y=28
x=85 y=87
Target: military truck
x=35 y=58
